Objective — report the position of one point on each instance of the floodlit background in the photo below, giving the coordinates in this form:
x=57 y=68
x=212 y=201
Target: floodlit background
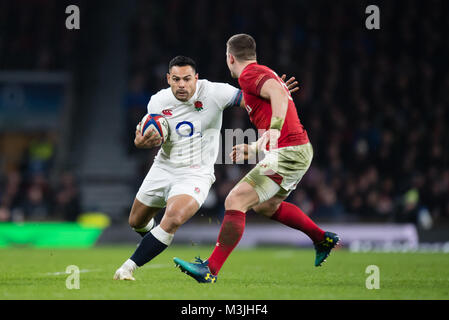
x=375 y=104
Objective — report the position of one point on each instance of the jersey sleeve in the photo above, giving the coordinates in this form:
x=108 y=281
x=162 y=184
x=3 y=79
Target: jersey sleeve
x=252 y=80
x=227 y=95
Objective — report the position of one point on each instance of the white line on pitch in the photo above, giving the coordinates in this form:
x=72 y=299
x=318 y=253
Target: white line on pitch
x=59 y=273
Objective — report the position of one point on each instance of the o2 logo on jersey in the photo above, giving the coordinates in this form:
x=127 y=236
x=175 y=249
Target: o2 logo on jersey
x=185 y=129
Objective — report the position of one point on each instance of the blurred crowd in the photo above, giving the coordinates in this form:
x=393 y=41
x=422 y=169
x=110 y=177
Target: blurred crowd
x=374 y=102
x=33 y=38
x=28 y=191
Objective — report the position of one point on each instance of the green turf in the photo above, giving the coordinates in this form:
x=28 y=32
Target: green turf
x=264 y=273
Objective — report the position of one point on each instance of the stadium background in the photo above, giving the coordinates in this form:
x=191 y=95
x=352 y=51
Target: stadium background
x=375 y=104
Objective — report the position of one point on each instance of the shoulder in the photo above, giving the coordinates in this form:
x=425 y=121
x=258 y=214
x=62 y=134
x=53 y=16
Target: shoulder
x=219 y=93
x=254 y=76
x=216 y=89
x=256 y=70
x=159 y=100
x=162 y=96
x=203 y=86
x=217 y=86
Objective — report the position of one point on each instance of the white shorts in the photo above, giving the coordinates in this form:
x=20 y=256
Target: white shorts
x=163 y=182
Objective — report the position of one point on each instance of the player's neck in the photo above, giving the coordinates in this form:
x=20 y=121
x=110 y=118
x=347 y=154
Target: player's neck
x=243 y=65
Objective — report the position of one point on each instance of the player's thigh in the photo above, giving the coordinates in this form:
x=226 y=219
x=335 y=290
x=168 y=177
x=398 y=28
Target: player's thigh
x=196 y=186
x=180 y=208
x=151 y=196
x=141 y=214
x=275 y=177
x=289 y=164
x=186 y=196
x=155 y=187
x=257 y=185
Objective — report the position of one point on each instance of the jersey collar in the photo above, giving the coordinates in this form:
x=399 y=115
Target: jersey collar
x=244 y=69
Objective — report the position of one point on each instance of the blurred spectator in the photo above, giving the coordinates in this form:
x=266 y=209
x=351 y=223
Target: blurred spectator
x=10 y=193
x=40 y=154
x=35 y=201
x=411 y=210
x=328 y=205
x=67 y=204
x=36 y=205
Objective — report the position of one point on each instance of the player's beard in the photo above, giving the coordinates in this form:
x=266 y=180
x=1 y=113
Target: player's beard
x=183 y=96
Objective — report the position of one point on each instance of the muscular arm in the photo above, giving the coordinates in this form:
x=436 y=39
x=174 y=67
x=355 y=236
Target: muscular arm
x=278 y=96
x=272 y=90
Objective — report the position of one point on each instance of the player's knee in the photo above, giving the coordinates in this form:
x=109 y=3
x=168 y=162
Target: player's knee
x=229 y=201
x=172 y=224
x=267 y=209
x=234 y=201
x=174 y=219
x=177 y=222
x=134 y=222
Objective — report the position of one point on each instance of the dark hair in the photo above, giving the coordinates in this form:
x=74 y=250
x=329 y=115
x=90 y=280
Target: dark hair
x=242 y=46
x=182 y=61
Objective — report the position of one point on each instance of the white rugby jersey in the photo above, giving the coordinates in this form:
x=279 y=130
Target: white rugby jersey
x=194 y=125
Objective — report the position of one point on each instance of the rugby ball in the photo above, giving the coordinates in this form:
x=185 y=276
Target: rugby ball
x=158 y=122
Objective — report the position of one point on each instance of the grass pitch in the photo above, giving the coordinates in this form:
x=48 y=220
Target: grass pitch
x=281 y=273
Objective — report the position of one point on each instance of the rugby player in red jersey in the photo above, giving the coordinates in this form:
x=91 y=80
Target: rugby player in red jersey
x=288 y=155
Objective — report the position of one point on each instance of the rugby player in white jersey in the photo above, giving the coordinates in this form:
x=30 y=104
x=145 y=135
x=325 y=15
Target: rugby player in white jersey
x=183 y=169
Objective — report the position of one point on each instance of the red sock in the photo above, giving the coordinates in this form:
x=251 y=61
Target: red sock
x=231 y=232
x=292 y=216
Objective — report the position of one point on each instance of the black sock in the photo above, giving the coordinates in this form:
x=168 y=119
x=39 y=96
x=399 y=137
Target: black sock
x=148 y=248
x=142 y=233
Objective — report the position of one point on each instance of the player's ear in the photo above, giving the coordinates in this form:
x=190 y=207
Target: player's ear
x=168 y=78
x=196 y=76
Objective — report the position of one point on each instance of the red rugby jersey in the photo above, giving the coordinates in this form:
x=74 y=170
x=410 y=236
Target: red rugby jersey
x=259 y=109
